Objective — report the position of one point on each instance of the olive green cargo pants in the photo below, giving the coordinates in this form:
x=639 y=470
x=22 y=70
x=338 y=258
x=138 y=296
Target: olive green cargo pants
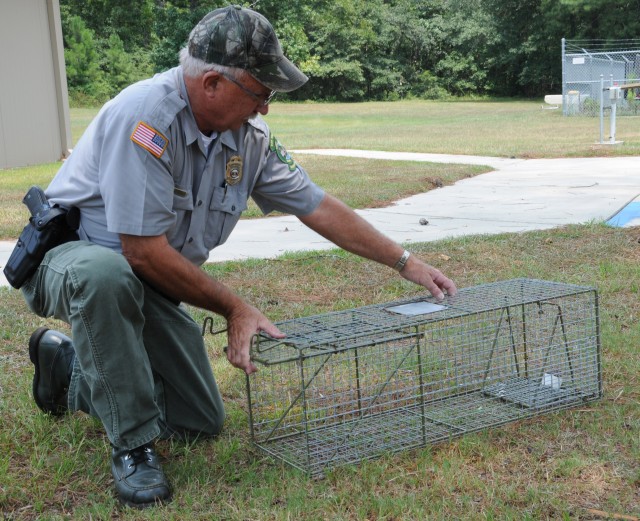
x=141 y=365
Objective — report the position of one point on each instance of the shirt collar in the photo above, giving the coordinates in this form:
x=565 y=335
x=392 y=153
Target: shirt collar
x=227 y=140
x=191 y=128
x=191 y=131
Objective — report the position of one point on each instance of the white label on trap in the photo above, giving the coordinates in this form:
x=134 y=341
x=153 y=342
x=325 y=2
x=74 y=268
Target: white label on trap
x=416 y=308
x=550 y=380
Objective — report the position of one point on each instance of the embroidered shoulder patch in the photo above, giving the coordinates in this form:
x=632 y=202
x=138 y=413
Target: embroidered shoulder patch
x=150 y=139
x=281 y=152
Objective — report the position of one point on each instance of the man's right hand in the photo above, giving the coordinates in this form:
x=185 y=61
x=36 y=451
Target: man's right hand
x=164 y=268
x=242 y=324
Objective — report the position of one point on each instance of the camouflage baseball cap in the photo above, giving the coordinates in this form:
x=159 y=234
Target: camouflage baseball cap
x=238 y=37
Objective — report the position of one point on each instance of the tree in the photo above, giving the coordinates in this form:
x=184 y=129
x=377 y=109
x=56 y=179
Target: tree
x=516 y=48
x=345 y=41
x=356 y=50
x=463 y=35
x=131 y=21
x=117 y=65
x=81 y=55
x=603 y=19
x=171 y=29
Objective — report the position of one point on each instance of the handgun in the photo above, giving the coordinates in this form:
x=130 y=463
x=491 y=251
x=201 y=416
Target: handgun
x=41 y=211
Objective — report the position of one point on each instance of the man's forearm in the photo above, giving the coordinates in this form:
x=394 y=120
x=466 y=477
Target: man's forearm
x=338 y=223
x=166 y=270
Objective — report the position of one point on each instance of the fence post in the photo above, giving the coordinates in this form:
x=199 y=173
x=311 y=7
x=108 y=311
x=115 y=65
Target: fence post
x=614 y=105
x=601 y=109
x=564 y=78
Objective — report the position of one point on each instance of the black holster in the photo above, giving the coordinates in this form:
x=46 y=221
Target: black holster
x=48 y=227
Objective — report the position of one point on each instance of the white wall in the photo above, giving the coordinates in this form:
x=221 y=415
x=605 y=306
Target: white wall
x=34 y=112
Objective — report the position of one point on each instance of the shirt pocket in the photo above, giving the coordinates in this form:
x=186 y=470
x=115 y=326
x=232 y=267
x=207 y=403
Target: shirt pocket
x=227 y=204
x=182 y=200
x=183 y=208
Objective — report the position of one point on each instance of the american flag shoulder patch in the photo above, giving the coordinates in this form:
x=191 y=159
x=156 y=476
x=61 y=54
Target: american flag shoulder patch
x=150 y=139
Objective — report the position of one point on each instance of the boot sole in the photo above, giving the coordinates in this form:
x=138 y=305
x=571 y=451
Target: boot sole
x=150 y=504
x=34 y=341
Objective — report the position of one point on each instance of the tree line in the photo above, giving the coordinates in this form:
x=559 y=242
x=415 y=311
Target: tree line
x=354 y=50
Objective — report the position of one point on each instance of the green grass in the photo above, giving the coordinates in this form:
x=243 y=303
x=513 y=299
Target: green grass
x=555 y=466
x=14 y=184
x=488 y=128
x=565 y=465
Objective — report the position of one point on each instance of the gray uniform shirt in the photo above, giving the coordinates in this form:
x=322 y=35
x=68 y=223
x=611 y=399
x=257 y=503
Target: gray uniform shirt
x=141 y=168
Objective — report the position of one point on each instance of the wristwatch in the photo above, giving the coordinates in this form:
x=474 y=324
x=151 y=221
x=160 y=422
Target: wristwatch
x=398 y=266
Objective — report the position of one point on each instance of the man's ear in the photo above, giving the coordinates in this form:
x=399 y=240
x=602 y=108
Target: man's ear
x=210 y=81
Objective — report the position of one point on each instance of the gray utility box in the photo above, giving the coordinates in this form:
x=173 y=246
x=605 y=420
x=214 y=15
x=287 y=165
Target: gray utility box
x=356 y=384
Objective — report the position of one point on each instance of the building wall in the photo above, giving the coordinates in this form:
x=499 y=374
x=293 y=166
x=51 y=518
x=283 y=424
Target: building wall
x=34 y=112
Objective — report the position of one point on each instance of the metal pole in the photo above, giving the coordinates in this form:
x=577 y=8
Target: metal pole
x=564 y=78
x=612 y=118
x=601 y=109
x=614 y=104
x=598 y=360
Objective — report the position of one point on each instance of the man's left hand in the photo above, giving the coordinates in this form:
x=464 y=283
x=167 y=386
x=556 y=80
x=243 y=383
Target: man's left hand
x=431 y=278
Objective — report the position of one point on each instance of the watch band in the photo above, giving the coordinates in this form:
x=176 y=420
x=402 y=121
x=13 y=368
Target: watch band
x=402 y=261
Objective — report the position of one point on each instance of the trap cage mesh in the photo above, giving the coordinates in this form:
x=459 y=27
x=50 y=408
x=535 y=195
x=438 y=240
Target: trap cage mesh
x=351 y=385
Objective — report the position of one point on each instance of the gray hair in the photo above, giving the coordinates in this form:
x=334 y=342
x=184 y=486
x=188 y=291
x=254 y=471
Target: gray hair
x=194 y=67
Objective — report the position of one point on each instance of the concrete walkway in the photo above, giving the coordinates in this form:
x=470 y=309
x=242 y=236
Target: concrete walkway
x=519 y=195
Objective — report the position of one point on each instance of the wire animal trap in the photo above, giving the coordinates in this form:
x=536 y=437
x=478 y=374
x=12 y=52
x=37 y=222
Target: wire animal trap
x=355 y=384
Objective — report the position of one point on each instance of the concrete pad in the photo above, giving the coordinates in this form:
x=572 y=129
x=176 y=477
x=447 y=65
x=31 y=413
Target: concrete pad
x=494 y=162
x=519 y=195
x=522 y=195
x=6 y=248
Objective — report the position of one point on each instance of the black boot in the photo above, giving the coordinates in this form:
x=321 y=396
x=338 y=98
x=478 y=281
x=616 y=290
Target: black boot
x=52 y=355
x=138 y=477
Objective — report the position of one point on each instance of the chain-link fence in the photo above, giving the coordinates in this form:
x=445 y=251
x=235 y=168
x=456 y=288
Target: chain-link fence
x=588 y=65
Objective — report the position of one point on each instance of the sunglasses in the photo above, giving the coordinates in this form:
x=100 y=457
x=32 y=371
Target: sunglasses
x=264 y=101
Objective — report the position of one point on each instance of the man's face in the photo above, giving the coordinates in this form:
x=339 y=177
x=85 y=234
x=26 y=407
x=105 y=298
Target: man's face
x=237 y=101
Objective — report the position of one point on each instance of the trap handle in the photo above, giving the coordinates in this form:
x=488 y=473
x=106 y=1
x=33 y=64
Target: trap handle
x=208 y=322
x=255 y=343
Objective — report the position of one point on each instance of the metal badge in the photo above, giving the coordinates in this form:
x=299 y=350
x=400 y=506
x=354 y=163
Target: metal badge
x=234 y=170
